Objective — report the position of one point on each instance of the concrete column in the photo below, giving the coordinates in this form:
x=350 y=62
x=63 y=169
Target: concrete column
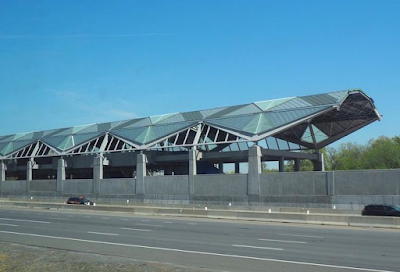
x=253 y=176
x=330 y=183
x=140 y=173
x=221 y=167
x=60 y=173
x=322 y=159
x=297 y=165
x=98 y=163
x=30 y=165
x=237 y=167
x=192 y=170
x=319 y=164
x=3 y=169
x=282 y=164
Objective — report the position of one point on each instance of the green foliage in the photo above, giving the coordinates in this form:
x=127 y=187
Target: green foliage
x=305 y=165
x=382 y=153
x=265 y=169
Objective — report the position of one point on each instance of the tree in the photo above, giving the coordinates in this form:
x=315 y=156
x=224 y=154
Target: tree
x=382 y=153
x=347 y=157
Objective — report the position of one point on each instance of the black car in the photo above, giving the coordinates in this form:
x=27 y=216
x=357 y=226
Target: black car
x=79 y=200
x=381 y=210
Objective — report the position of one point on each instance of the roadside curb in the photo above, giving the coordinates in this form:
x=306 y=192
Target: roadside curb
x=286 y=217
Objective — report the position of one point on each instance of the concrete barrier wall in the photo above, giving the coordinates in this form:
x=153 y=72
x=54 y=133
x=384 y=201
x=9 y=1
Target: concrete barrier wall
x=119 y=186
x=49 y=185
x=14 y=187
x=78 y=186
x=294 y=184
x=166 y=185
x=367 y=182
x=357 y=202
x=347 y=189
x=221 y=185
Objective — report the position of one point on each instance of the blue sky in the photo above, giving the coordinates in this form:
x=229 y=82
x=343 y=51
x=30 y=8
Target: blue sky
x=65 y=63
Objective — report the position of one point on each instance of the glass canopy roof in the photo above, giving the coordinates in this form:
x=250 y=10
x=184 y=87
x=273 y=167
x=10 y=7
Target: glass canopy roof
x=312 y=121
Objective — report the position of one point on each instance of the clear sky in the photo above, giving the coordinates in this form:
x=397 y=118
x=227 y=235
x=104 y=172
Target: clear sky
x=65 y=63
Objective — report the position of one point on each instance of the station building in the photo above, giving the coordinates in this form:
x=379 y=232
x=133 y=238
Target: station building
x=189 y=143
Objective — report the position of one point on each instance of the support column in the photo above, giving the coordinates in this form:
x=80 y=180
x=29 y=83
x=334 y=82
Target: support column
x=3 y=169
x=192 y=170
x=330 y=180
x=237 y=167
x=221 y=167
x=253 y=176
x=140 y=173
x=61 y=174
x=30 y=165
x=297 y=165
x=322 y=159
x=99 y=162
x=282 y=164
x=319 y=164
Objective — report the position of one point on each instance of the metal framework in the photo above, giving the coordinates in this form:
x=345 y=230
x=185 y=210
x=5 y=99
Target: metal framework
x=290 y=124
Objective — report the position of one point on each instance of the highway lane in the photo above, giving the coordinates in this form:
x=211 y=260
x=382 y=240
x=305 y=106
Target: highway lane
x=214 y=244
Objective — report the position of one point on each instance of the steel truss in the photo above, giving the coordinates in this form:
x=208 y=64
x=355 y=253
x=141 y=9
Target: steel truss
x=355 y=112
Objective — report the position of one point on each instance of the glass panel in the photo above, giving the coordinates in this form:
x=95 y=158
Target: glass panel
x=272 y=143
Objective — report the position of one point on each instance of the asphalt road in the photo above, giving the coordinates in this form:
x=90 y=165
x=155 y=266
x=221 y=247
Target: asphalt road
x=212 y=244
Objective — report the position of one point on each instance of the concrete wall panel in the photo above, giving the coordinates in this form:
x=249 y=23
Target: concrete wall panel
x=120 y=186
x=294 y=184
x=77 y=186
x=166 y=185
x=14 y=187
x=220 y=185
x=368 y=182
x=48 y=185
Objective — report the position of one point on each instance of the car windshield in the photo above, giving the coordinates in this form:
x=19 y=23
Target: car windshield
x=396 y=208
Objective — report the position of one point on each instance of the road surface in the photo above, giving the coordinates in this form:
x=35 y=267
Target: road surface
x=212 y=244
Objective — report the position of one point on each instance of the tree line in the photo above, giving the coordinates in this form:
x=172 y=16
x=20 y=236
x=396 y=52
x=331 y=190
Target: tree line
x=380 y=153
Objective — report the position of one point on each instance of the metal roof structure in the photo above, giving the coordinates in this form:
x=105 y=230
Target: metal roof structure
x=295 y=123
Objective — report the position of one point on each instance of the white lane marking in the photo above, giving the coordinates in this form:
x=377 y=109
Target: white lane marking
x=105 y=218
x=149 y=225
x=167 y=222
x=103 y=233
x=12 y=212
x=87 y=216
x=56 y=218
x=54 y=215
x=307 y=236
x=283 y=241
x=145 y=220
x=198 y=252
x=125 y=219
x=70 y=215
x=11 y=225
x=135 y=229
x=24 y=220
x=256 y=247
x=192 y=223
